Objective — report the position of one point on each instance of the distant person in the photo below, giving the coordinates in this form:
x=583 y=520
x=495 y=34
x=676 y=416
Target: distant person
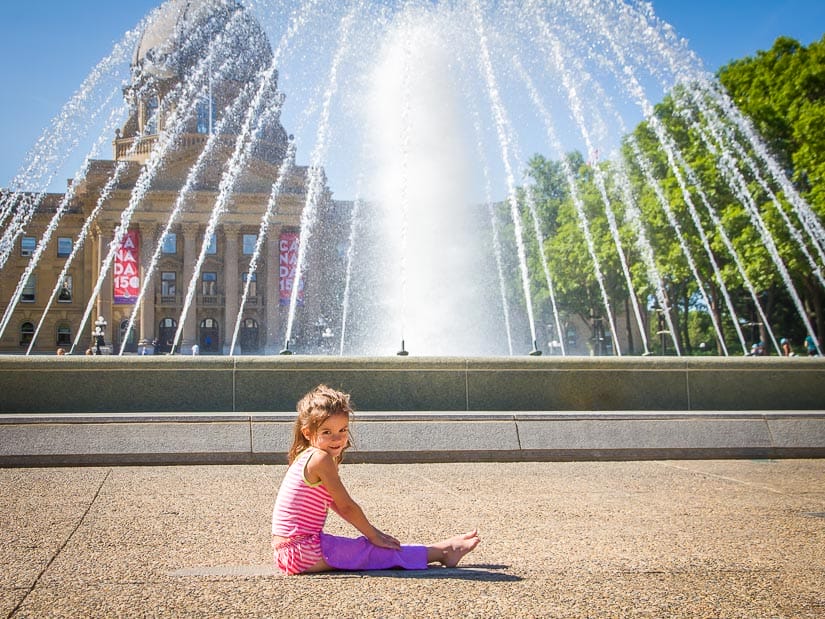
x=89 y=352
x=312 y=486
x=61 y=352
x=757 y=349
x=810 y=344
x=785 y=345
x=196 y=350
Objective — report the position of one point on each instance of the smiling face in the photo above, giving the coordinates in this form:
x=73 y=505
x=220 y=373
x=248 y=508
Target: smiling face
x=332 y=436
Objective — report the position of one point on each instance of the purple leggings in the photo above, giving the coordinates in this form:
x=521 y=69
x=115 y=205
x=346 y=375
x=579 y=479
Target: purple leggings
x=345 y=553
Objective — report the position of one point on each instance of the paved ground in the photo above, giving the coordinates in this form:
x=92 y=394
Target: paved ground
x=633 y=539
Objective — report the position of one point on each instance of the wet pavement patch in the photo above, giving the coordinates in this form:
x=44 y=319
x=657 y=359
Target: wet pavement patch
x=226 y=570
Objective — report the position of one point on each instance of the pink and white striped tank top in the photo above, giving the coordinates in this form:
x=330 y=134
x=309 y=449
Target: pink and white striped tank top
x=300 y=507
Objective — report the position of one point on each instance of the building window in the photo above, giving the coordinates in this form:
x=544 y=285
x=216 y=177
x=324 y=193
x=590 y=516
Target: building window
x=26 y=333
x=65 y=294
x=253 y=283
x=151 y=118
x=27 y=246
x=131 y=341
x=249 y=336
x=206 y=115
x=168 y=285
x=170 y=243
x=64 y=246
x=29 y=290
x=249 y=241
x=166 y=335
x=212 y=248
x=209 y=335
x=209 y=283
x=64 y=335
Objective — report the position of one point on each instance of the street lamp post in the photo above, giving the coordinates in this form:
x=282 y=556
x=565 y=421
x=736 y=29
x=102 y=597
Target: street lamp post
x=98 y=333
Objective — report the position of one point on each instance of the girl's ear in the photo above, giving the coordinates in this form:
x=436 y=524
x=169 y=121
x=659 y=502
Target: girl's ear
x=306 y=433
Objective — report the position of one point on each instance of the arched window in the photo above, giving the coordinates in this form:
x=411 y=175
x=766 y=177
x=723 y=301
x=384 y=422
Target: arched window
x=26 y=333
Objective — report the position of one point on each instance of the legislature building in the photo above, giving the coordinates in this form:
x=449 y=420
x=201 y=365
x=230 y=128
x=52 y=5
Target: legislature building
x=169 y=52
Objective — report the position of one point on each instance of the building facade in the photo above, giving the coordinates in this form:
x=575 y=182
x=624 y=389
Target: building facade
x=174 y=195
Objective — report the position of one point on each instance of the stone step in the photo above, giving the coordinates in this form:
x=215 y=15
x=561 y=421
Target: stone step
x=51 y=439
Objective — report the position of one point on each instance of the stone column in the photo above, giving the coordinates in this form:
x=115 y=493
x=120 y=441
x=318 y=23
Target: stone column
x=148 y=328
x=190 y=250
x=231 y=289
x=104 y=299
x=274 y=336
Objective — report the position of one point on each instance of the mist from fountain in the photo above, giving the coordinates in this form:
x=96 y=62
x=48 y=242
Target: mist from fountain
x=263 y=232
x=63 y=207
x=59 y=140
x=412 y=71
x=183 y=195
x=309 y=213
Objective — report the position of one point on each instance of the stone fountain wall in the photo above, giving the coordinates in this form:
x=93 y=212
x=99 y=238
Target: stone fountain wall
x=59 y=411
x=423 y=384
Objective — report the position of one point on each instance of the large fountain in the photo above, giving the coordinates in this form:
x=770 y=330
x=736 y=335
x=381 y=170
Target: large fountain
x=218 y=222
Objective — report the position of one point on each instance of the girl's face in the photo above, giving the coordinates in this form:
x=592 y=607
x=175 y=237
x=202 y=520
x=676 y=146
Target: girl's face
x=331 y=436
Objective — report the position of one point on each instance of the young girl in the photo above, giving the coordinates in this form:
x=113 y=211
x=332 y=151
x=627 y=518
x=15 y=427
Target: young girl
x=312 y=484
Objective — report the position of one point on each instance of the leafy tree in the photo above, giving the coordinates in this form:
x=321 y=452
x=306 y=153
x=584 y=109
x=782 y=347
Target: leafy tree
x=737 y=230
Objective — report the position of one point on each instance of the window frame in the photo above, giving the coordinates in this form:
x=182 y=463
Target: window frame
x=209 y=283
x=63 y=334
x=63 y=240
x=253 y=286
x=70 y=280
x=29 y=292
x=171 y=238
x=248 y=242
x=212 y=246
x=28 y=252
x=165 y=291
x=26 y=334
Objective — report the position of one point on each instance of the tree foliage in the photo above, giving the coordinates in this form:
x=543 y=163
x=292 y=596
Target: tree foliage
x=696 y=203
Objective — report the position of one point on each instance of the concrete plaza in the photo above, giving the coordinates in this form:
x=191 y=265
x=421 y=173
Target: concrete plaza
x=688 y=538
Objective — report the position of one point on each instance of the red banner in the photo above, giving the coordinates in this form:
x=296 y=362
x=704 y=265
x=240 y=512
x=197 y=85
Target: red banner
x=287 y=267
x=127 y=269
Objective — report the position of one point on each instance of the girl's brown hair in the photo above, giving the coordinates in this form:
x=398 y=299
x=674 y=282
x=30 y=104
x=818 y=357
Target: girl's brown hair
x=314 y=409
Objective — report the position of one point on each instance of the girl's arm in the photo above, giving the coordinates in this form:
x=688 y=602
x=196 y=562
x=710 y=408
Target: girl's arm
x=323 y=465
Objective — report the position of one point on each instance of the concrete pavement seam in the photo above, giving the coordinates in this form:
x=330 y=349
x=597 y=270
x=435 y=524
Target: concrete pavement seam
x=727 y=478
x=770 y=433
x=62 y=546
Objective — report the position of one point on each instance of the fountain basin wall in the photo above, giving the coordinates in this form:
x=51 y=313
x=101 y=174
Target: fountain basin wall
x=274 y=384
x=175 y=410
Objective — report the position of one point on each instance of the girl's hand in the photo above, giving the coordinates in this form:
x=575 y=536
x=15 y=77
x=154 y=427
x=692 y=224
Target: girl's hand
x=383 y=540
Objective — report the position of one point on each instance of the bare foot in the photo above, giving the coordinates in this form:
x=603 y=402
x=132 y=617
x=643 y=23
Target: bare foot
x=450 y=551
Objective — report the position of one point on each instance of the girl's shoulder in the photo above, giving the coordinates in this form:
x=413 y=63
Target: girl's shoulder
x=314 y=462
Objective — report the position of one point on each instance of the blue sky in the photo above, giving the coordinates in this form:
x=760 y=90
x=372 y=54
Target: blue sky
x=48 y=47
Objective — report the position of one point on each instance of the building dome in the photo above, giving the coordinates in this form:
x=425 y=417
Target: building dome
x=180 y=32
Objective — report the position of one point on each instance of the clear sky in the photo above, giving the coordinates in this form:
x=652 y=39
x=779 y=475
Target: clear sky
x=47 y=48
